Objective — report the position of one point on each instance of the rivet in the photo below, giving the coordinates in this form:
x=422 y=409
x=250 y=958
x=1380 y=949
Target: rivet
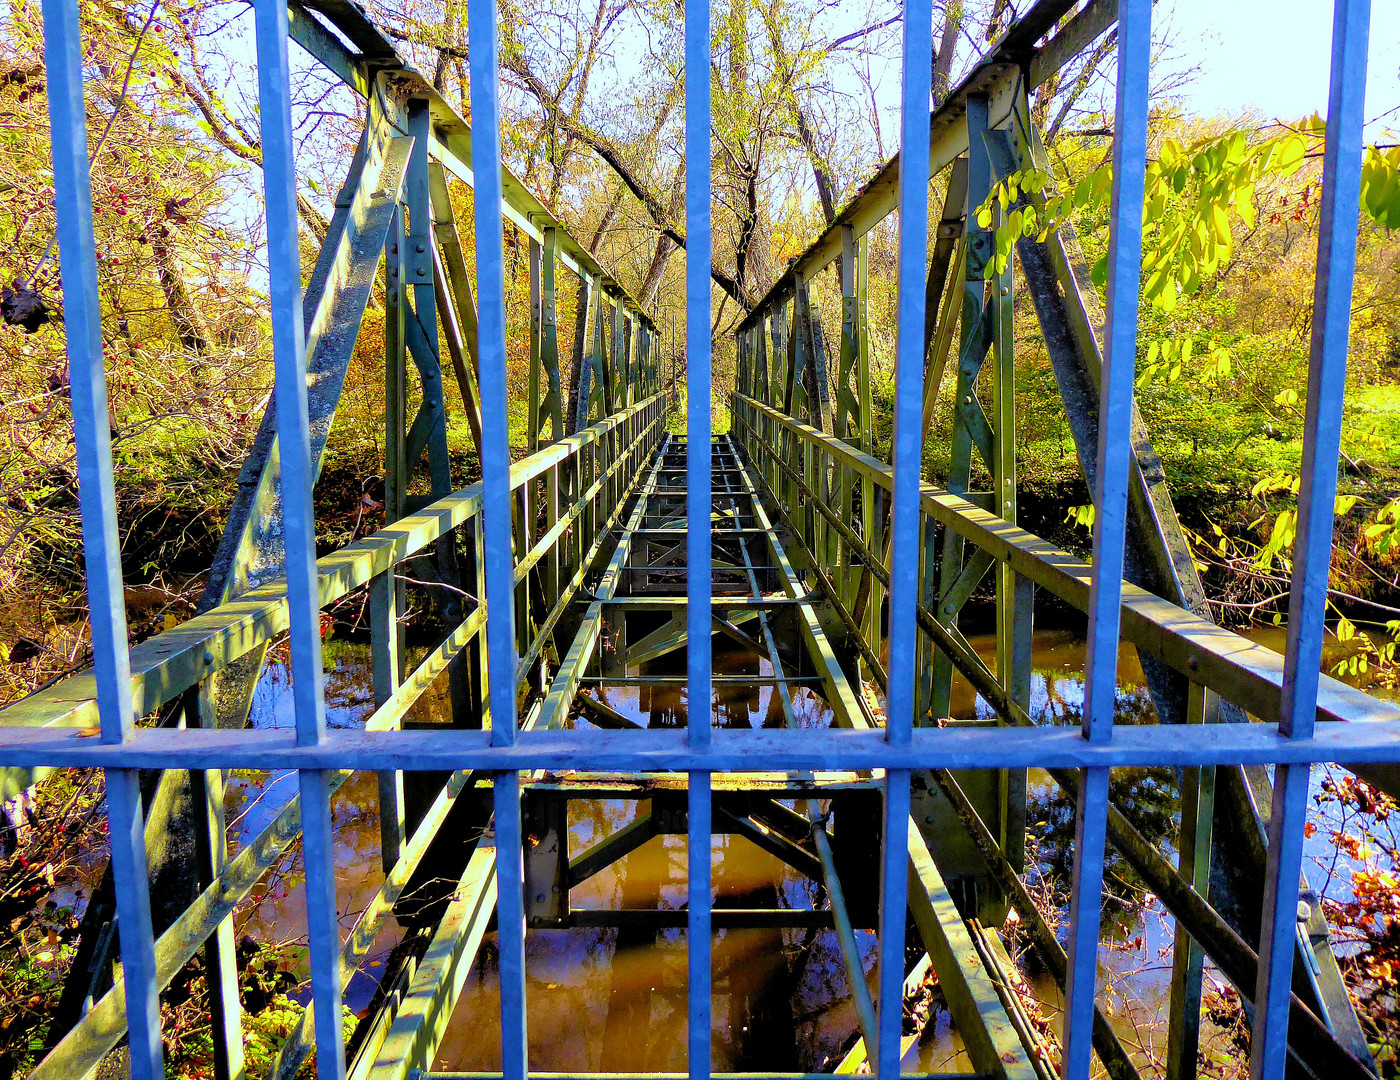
x=1193 y=663
x=422 y=272
x=208 y=658
x=1008 y=504
x=967 y=400
x=1006 y=290
x=421 y=249
x=393 y=249
x=393 y=271
x=1304 y=911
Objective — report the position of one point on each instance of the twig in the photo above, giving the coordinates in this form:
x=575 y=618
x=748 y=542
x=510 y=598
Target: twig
x=116 y=110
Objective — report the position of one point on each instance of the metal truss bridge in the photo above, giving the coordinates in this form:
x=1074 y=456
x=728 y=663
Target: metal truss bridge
x=617 y=552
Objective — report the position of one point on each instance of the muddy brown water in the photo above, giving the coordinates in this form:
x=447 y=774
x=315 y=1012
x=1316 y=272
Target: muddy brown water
x=614 y=1000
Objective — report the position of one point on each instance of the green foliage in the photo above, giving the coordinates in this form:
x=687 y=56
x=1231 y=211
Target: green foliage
x=1380 y=186
x=1192 y=194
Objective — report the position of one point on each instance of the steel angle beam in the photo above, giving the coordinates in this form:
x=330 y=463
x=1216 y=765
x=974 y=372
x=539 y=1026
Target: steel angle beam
x=166 y=665
x=333 y=308
x=618 y=844
x=1223 y=661
x=420 y=1020
x=450 y=141
x=996 y=76
x=1158 y=557
x=977 y=1011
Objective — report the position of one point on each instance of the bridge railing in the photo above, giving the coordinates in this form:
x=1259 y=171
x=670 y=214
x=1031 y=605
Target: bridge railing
x=875 y=535
x=396 y=149
x=588 y=429
x=558 y=542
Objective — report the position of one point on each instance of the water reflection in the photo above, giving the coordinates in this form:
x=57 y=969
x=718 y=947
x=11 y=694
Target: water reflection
x=614 y=999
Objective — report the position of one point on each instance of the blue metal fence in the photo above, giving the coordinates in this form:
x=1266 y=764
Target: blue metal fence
x=1285 y=698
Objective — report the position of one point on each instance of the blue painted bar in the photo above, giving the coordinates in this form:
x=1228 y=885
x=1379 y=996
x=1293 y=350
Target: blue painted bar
x=697 y=510
x=697 y=341
x=1085 y=903
x=907 y=456
x=894 y=898
x=730 y=751
x=82 y=321
x=1307 y=604
x=699 y=897
x=909 y=369
x=297 y=478
x=1110 y=519
x=1120 y=357
x=496 y=520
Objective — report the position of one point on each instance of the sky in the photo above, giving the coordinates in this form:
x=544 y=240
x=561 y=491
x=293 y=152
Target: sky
x=1273 y=55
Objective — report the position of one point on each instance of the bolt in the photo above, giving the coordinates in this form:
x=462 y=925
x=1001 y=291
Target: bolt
x=421 y=249
x=208 y=658
x=967 y=400
x=540 y=899
x=1193 y=663
x=1008 y=504
x=422 y=272
x=1006 y=290
x=1008 y=481
x=1304 y=911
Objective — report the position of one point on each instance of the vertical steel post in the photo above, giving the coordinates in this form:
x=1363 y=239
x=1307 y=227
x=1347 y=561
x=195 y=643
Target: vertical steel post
x=82 y=319
x=385 y=592
x=698 y=507
x=303 y=602
x=1307 y=602
x=386 y=639
x=1004 y=449
x=907 y=459
x=432 y=414
x=971 y=356
x=1193 y=864
x=1110 y=520
x=495 y=474
x=532 y=390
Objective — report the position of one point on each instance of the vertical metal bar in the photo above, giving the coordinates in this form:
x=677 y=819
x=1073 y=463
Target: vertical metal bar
x=1004 y=468
x=553 y=403
x=1193 y=864
x=1110 y=520
x=303 y=601
x=532 y=391
x=698 y=506
x=907 y=457
x=1307 y=604
x=418 y=193
x=971 y=356
x=220 y=960
x=386 y=641
x=82 y=318
x=495 y=474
